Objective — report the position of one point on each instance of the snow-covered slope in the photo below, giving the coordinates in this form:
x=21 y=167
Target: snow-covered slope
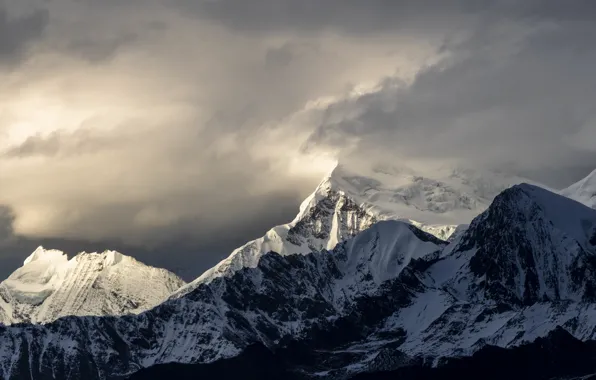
x=583 y=191
x=391 y=296
x=49 y=286
x=284 y=296
x=352 y=198
x=530 y=246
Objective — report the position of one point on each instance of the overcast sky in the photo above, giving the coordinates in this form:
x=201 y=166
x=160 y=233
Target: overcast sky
x=177 y=130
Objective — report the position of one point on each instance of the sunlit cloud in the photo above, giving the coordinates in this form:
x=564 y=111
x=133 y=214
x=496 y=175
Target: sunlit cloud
x=145 y=121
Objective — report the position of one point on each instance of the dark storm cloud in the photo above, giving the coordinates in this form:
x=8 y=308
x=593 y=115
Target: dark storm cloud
x=355 y=16
x=505 y=96
x=351 y=16
x=187 y=247
x=16 y=33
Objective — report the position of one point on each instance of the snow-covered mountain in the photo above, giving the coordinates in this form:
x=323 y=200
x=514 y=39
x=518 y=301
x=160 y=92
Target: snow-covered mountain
x=392 y=296
x=49 y=286
x=353 y=197
x=583 y=191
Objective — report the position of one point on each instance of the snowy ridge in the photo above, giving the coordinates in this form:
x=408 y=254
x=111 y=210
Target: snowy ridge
x=353 y=197
x=551 y=263
x=583 y=191
x=390 y=295
x=49 y=286
x=218 y=319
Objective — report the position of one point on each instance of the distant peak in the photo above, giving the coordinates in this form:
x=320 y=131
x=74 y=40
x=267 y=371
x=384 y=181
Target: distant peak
x=587 y=183
x=112 y=257
x=51 y=255
x=528 y=187
x=583 y=191
x=109 y=257
x=541 y=194
x=592 y=175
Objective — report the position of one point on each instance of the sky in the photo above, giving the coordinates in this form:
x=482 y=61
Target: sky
x=177 y=130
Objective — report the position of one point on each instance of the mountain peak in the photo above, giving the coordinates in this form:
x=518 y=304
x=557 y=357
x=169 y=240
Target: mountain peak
x=387 y=247
x=108 y=258
x=49 y=286
x=432 y=195
x=355 y=195
x=51 y=255
x=112 y=257
x=583 y=191
x=530 y=245
x=59 y=258
x=568 y=215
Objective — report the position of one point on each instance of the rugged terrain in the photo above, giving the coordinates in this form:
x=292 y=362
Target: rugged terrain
x=556 y=356
x=49 y=286
x=391 y=298
x=354 y=197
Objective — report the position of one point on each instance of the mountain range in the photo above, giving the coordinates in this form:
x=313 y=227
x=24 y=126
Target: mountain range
x=380 y=273
x=352 y=198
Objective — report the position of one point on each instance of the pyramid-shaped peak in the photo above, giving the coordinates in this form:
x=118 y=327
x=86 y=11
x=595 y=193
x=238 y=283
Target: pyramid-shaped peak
x=583 y=191
x=590 y=179
x=526 y=202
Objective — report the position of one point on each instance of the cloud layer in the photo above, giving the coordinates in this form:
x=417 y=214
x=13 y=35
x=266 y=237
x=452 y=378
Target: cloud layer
x=197 y=125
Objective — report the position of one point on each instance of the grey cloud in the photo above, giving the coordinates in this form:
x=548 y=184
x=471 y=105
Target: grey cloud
x=95 y=50
x=7 y=218
x=278 y=57
x=17 y=33
x=500 y=99
x=351 y=16
x=578 y=10
x=187 y=247
x=60 y=143
x=289 y=52
x=357 y=17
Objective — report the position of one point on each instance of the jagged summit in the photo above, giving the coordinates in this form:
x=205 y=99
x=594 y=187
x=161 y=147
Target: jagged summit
x=583 y=191
x=570 y=216
x=42 y=254
x=356 y=195
x=57 y=257
x=49 y=286
x=530 y=245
